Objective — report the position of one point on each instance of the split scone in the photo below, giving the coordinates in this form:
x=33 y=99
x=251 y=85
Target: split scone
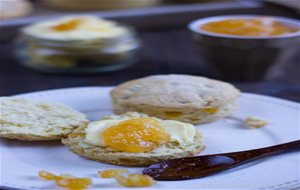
x=135 y=139
x=30 y=120
x=186 y=98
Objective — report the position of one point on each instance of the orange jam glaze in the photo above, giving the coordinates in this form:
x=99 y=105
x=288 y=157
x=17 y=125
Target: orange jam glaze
x=135 y=135
x=262 y=26
x=70 y=25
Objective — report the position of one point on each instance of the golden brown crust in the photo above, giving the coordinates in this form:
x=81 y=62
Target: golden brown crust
x=29 y=120
x=76 y=143
x=184 y=98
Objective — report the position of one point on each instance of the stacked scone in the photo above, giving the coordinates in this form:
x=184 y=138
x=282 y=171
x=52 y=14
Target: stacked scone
x=156 y=121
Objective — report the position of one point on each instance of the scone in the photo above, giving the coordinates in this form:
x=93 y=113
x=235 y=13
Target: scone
x=186 y=98
x=135 y=139
x=34 y=121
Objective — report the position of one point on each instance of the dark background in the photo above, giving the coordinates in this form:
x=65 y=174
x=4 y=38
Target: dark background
x=165 y=50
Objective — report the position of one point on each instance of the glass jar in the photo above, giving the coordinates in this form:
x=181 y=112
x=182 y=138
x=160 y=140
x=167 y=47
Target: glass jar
x=78 y=56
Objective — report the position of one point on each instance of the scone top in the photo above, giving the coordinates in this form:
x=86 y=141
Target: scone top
x=32 y=120
x=185 y=98
x=174 y=91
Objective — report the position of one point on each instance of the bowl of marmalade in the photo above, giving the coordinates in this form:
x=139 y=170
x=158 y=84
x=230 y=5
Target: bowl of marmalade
x=246 y=47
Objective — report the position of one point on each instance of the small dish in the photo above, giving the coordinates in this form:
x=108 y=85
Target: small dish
x=245 y=58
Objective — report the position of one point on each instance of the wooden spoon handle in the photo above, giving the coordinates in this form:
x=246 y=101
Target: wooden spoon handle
x=264 y=152
x=201 y=166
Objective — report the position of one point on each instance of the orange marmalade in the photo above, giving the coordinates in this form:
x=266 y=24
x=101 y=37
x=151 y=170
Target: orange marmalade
x=70 y=25
x=135 y=135
x=262 y=26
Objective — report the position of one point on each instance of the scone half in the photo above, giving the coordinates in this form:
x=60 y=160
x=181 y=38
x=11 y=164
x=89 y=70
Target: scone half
x=77 y=142
x=30 y=120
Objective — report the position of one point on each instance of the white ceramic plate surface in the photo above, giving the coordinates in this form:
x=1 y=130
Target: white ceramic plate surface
x=21 y=161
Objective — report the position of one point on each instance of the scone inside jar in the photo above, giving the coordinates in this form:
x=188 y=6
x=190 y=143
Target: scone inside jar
x=77 y=44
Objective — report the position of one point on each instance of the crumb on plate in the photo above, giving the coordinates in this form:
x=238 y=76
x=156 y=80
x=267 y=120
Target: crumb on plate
x=111 y=173
x=130 y=180
x=254 y=122
x=66 y=181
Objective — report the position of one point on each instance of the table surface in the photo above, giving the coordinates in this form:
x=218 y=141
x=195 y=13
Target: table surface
x=164 y=51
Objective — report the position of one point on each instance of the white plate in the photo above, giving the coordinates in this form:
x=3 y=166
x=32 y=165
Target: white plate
x=21 y=161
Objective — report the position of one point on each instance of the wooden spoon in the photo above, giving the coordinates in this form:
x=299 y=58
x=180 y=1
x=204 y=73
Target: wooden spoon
x=201 y=166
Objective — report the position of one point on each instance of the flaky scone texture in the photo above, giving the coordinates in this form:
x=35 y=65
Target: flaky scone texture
x=76 y=143
x=30 y=120
x=186 y=98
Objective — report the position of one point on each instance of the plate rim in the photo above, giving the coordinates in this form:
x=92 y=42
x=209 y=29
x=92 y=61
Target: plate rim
x=111 y=87
x=280 y=101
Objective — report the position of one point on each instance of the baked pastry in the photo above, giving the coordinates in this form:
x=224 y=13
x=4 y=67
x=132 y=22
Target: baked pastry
x=34 y=121
x=186 y=98
x=135 y=139
x=14 y=8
